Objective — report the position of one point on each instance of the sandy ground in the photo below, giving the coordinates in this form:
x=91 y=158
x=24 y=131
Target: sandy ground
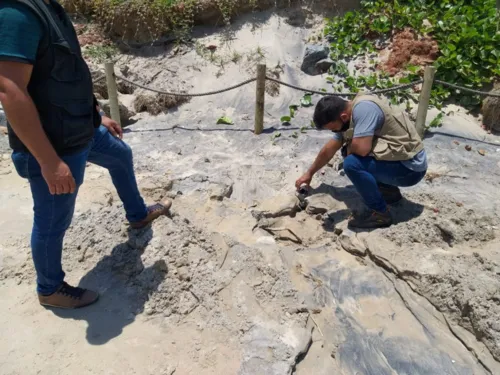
x=231 y=283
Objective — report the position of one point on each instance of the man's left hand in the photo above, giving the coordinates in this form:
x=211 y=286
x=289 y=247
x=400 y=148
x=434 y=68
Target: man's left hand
x=113 y=127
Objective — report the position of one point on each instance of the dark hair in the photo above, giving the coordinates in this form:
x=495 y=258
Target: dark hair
x=327 y=110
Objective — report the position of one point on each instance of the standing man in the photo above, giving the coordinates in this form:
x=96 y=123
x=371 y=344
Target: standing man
x=381 y=148
x=54 y=128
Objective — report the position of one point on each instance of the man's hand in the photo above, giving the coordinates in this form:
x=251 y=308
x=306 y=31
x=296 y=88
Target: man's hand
x=305 y=179
x=114 y=128
x=59 y=178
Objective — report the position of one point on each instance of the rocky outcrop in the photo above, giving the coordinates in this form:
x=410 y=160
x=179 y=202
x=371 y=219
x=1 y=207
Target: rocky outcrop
x=312 y=56
x=491 y=110
x=125 y=113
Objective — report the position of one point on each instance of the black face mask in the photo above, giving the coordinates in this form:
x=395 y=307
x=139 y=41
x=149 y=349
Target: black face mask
x=345 y=127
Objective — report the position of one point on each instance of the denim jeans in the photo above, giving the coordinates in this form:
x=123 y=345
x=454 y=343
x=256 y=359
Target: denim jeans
x=53 y=213
x=366 y=172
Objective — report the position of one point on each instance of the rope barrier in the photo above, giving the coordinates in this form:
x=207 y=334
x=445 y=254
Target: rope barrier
x=99 y=79
x=465 y=89
x=375 y=92
x=185 y=94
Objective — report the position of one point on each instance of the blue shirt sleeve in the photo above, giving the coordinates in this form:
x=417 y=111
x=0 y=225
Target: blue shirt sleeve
x=367 y=118
x=20 y=32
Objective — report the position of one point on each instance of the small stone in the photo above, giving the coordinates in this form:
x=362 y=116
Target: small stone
x=3 y=130
x=207 y=160
x=322 y=66
x=468 y=148
x=338 y=231
x=220 y=191
x=456 y=142
x=481 y=152
x=183 y=274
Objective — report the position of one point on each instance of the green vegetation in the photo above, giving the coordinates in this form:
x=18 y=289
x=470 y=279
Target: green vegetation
x=101 y=53
x=151 y=19
x=467 y=32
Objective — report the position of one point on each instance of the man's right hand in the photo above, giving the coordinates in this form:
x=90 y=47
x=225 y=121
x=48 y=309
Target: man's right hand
x=305 y=179
x=59 y=178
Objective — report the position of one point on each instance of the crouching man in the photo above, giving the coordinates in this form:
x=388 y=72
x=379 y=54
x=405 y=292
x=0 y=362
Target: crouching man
x=55 y=128
x=381 y=148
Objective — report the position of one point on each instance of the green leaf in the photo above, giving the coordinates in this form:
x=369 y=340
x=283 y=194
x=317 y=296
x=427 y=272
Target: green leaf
x=293 y=108
x=303 y=129
x=285 y=120
x=437 y=121
x=306 y=101
x=225 y=120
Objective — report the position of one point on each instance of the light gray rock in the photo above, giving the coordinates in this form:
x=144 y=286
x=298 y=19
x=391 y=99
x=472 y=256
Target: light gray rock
x=350 y=243
x=322 y=66
x=312 y=55
x=220 y=191
x=125 y=113
x=320 y=204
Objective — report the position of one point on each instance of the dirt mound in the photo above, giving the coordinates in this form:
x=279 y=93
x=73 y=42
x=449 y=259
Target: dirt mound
x=157 y=103
x=442 y=222
x=408 y=48
x=138 y=21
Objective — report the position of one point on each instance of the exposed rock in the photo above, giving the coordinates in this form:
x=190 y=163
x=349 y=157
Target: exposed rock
x=312 y=55
x=322 y=66
x=320 y=204
x=350 y=243
x=491 y=110
x=220 y=191
x=283 y=205
x=125 y=113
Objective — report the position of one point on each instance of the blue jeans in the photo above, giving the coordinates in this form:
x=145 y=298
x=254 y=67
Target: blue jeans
x=365 y=172
x=53 y=213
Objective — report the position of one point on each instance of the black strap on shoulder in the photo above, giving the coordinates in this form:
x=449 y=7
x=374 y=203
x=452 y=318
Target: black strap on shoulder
x=40 y=8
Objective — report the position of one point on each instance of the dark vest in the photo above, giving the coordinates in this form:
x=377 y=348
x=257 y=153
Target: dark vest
x=61 y=84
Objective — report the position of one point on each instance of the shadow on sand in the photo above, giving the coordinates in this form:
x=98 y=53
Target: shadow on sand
x=124 y=285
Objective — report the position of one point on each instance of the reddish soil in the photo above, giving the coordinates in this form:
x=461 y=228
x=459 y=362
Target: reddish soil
x=89 y=34
x=408 y=48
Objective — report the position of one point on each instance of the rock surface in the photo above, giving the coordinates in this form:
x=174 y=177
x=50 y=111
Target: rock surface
x=312 y=55
x=491 y=110
x=320 y=204
x=125 y=113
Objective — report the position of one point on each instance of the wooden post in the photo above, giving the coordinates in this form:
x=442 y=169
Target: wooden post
x=114 y=106
x=425 y=96
x=260 y=98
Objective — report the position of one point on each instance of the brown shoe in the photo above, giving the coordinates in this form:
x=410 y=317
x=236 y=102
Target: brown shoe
x=154 y=212
x=68 y=297
x=371 y=220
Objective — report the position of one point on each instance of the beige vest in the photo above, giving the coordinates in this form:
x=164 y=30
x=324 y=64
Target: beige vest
x=396 y=140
